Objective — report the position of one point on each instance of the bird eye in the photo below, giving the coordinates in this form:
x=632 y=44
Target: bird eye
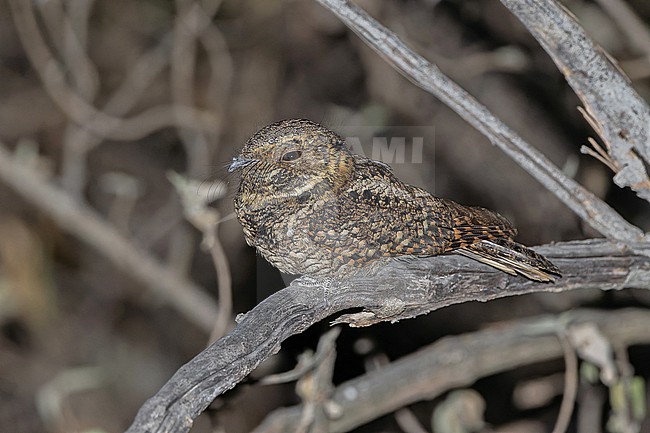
x=291 y=156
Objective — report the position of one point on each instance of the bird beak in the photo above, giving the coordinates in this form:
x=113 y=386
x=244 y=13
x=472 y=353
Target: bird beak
x=239 y=162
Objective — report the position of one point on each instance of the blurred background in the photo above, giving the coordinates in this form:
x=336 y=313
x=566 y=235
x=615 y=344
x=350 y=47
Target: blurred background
x=102 y=99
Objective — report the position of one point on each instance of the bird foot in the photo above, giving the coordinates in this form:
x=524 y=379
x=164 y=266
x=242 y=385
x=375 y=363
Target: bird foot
x=321 y=282
x=390 y=310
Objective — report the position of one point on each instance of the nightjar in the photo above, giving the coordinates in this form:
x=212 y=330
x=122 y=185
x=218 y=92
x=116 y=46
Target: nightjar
x=312 y=207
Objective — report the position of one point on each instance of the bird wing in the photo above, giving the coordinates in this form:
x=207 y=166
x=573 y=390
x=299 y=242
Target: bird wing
x=382 y=216
x=377 y=215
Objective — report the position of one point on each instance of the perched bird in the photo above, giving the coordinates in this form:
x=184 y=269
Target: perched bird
x=312 y=207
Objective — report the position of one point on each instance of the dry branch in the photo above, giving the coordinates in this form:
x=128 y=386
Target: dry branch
x=616 y=111
x=427 y=76
x=459 y=361
x=401 y=289
x=83 y=222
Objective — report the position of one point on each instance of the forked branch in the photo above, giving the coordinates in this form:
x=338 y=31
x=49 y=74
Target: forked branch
x=614 y=109
x=427 y=76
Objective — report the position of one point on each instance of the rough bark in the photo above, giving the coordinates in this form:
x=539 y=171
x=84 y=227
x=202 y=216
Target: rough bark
x=402 y=289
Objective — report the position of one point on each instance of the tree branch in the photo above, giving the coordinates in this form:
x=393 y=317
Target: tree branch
x=613 y=108
x=459 y=361
x=399 y=290
x=427 y=76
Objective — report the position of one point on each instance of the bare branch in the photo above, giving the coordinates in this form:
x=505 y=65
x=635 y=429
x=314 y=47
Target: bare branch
x=615 y=110
x=401 y=289
x=447 y=364
x=571 y=380
x=224 y=283
x=427 y=76
x=84 y=223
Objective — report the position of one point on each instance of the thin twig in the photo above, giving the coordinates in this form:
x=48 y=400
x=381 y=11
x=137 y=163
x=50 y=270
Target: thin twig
x=224 y=281
x=427 y=76
x=600 y=154
x=195 y=197
x=570 y=385
x=408 y=422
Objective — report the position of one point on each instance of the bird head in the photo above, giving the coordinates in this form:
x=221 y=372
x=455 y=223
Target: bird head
x=292 y=158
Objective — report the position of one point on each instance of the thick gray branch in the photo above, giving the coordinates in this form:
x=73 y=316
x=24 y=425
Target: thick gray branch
x=620 y=116
x=401 y=289
x=427 y=76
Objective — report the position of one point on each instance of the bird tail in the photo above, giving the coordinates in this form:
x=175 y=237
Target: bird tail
x=512 y=258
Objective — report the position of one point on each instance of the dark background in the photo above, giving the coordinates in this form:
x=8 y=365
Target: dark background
x=83 y=345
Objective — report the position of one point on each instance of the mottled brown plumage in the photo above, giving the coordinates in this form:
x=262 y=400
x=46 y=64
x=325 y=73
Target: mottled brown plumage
x=312 y=207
